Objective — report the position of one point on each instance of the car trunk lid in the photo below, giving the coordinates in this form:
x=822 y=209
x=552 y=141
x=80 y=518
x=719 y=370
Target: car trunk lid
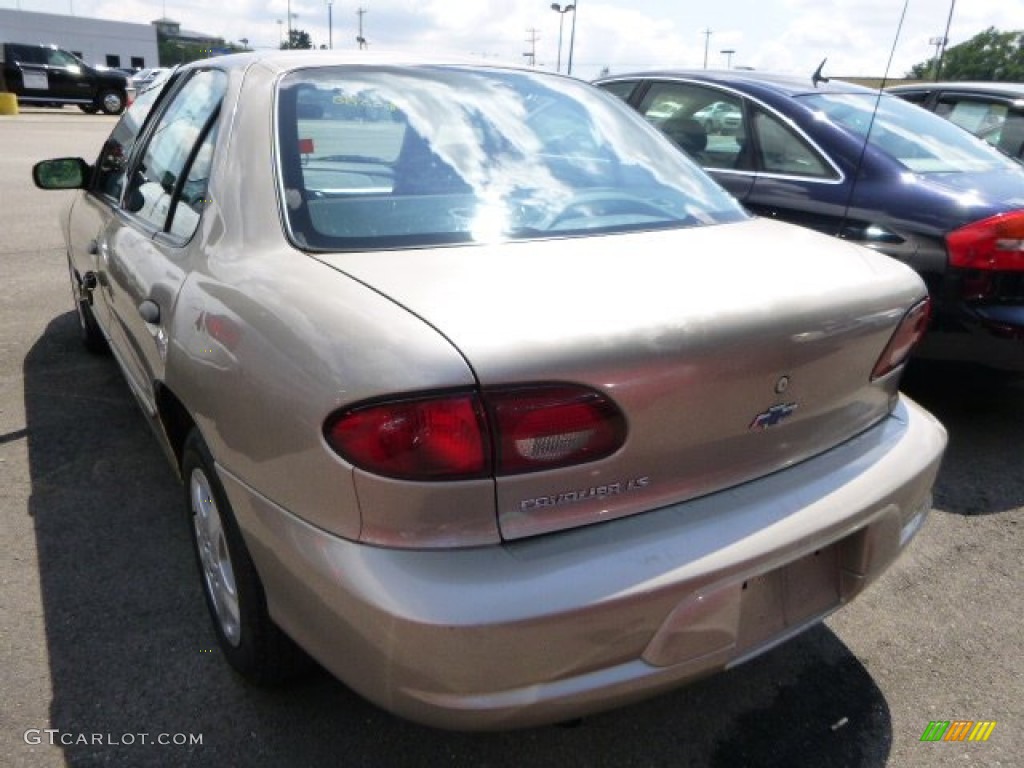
x=733 y=351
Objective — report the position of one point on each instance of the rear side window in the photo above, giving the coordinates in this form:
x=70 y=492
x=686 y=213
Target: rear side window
x=914 y=97
x=27 y=54
x=781 y=150
x=621 y=88
x=975 y=115
x=168 y=183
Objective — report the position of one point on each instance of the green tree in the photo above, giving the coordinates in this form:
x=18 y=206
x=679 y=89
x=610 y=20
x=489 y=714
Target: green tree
x=174 y=52
x=297 y=38
x=990 y=55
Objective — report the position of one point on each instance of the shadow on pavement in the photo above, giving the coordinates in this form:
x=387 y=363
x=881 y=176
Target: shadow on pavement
x=983 y=411
x=131 y=651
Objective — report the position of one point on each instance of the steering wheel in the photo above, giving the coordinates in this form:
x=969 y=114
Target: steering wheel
x=606 y=203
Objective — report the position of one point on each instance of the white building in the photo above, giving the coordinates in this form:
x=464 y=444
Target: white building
x=95 y=41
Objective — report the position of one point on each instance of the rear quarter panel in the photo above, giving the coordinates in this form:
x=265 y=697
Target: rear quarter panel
x=267 y=342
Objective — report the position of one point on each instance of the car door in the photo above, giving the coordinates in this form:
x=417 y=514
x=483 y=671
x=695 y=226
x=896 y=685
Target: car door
x=796 y=181
x=147 y=242
x=29 y=64
x=681 y=111
x=93 y=213
x=68 y=78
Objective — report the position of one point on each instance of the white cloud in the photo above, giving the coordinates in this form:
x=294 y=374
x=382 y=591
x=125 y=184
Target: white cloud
x=784 y=35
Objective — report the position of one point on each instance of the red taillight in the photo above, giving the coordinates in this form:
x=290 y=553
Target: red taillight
x=995 y=243
x=552 y=426
x=449 y=437
x=907 y=334
x=427 y=439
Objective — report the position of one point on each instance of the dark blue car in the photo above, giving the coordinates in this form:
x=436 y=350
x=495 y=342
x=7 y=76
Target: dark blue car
x=920 y=189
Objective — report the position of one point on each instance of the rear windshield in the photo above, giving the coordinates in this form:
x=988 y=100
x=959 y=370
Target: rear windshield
x=921 y=141
x=406 y=157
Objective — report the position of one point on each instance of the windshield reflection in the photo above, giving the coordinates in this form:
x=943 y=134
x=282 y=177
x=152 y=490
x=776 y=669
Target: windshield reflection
x=920 y=140
x=400 y=157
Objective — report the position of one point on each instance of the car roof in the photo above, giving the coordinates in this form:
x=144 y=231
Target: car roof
x=1013 y=90
x=785 y=85
x=290 y=60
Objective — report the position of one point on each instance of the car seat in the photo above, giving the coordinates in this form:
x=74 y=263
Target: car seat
x=687 y=133
x=419 y=170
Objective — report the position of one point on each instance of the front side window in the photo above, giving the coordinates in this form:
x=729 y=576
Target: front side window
x=386 y=158
x=168 y=183
x=108 y=177
x=919 y=140
x=705 y=123
x=58 y=58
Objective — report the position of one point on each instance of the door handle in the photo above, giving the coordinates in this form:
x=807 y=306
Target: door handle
x=94 y=247
x=150 y=311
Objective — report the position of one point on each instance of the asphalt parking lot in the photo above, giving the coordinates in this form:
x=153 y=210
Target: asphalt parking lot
x=106 y=646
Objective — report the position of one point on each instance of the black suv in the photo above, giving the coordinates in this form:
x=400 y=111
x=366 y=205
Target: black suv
x=46 y=75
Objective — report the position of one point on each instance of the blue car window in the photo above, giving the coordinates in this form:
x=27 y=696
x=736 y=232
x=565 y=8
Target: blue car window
x=163 y=188
x=108 y=178
x=706 y=123
x=782 y=151
x=920 y=140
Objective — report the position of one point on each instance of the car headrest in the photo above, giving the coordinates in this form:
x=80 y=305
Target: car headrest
x=687 y=133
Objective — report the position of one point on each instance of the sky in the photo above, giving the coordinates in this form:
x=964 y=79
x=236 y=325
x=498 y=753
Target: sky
x=859 y=37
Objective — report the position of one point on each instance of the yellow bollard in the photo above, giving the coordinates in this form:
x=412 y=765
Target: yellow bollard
x=8 y=104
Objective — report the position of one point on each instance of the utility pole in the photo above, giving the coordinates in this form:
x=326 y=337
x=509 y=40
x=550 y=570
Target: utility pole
x=359 y=38
x=707 y=40
x=531 y=54
x=572 y=34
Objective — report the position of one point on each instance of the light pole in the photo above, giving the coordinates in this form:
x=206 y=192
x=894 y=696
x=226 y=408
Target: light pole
x=938 y=42
x=728 y=52
x=280 y=32
x=572 y=35
x=359 y=38
x=330 y=26
x=289 y=23
x=707 y=39
x=561 y=23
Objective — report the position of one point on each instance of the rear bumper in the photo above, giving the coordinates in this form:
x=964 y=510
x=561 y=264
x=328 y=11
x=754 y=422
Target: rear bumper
x=571 y=623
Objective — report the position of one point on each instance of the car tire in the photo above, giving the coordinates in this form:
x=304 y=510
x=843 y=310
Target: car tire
x=111 y=102
x=88 y=329
x=89 y=109
x=251 y=642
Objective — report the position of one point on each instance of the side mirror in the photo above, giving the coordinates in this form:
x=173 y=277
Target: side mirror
x=62 y=173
